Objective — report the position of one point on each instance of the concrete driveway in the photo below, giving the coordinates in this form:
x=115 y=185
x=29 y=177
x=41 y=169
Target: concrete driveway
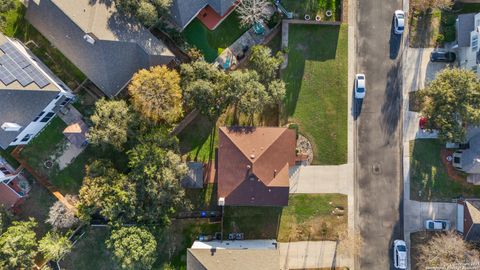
x=418 y=69
x=322 y=179
x=417 y=212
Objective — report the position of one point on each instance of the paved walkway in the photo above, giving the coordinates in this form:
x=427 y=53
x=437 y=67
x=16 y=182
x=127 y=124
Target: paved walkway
x=307 y=254
x=418 y=70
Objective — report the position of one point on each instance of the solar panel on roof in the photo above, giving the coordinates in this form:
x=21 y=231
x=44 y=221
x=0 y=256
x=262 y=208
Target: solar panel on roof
x=16 y=66
x=5 y=76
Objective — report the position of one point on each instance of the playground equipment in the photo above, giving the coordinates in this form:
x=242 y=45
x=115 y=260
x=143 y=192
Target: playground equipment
x=283 y=10
x=258 y=28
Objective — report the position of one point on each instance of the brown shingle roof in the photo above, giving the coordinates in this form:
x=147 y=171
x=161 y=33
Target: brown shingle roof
x=253 y=165
x=8 y=197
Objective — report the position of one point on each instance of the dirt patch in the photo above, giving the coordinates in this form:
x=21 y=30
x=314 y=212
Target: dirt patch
x=424 y=29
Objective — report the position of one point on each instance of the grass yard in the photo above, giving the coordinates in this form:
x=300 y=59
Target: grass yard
x=197 y=140
x=49 y=145
x=90 y=252
x=203 y=199
x=5 y=154
x=307 y=217
x=314 y=7
x=46 y=145
x=438 y=26
x=18 y=27
x=211 y=42
x=429 y=180
x=317 y=94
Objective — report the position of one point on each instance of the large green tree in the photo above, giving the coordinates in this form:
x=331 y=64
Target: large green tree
x=156 y=94
x=133 y=247
x=18 y=245
x=451 y=102
x=264 y=63
x=157 y=173
x=54 y=246
x=108 y=192
x=205 y=88
x=147 y=13
x=110 y=123
x=251 y=96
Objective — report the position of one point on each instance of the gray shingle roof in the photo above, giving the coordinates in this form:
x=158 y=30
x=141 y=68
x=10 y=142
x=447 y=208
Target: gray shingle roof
x=183 y=11
x=470 y=160
x=232 y=259
x=465 y=25
x=21 y=107
x=122 y=46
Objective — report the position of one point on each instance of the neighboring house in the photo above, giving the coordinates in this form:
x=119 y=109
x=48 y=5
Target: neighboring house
x=12 y=189
x=467 y=47
x=105 y=45
x=209 y=12
x=30 y=94
x=234 y=255
x=253 y=165
x=468 y=160
x=468 y=219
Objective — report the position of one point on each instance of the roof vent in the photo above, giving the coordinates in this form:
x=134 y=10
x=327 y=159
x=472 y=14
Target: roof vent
x=252 y=156
x=249 y=167
x=221 y=201
x=7 y=126
x=89 y=39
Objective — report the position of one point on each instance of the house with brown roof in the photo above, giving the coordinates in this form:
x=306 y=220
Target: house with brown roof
x=468 y=219
x=253 y=165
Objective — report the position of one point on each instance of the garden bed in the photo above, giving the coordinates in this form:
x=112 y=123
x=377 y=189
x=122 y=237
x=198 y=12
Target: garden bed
x=314 y=8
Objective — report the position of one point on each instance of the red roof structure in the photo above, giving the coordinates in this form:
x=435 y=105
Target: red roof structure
x=253 y=165
x=8 y=197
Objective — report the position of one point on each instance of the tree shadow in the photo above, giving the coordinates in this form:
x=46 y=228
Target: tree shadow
x=318 y=46
x=391 y=108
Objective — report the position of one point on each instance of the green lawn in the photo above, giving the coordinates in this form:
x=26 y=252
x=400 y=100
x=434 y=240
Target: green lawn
x=45 y=146
x=197 y=140
x=5 y=153
x=314 y=7
x=317 y=94
x=307 y=217
x=209 y=42
x=18 y=27
x=90 y=252
x=428 y=177
x=50 y=143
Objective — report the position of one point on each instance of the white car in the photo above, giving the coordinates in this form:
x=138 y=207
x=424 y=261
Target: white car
x=360 y=86
x=399 y=254
x=399 y=22
x=437 y=225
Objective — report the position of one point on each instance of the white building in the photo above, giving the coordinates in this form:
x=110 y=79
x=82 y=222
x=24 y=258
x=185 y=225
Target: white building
x=30 y=94
x=468 y=31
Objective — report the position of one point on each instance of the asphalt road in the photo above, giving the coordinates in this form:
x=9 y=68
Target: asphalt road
x=379 y=188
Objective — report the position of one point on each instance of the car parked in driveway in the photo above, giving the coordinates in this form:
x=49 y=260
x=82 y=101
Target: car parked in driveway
x=360 y=86
x=399 y=22
x=438 y=56
x=437 y=225
x=399 y=254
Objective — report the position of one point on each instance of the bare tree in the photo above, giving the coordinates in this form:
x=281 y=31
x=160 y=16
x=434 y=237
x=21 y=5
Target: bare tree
x=252 y=11
x=447 y=250
x=60 y=216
